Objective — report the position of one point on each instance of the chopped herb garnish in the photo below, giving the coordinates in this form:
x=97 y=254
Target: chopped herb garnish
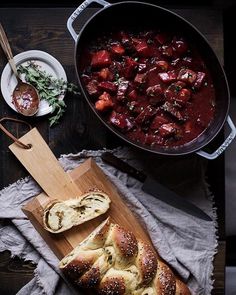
x=117 y=76
x=177 y=88
x=150 y=41
x=49 y=88
x=131 y=107
x=193 y=89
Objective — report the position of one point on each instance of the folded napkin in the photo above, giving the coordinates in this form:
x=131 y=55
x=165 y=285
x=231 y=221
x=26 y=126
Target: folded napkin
x=187 y=243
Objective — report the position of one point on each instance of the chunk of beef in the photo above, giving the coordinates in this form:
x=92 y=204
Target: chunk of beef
x=168 y=77
x=162 y=65
x=101 y=58
x=158 y=121
x=156 y=93
x=170 y=130
x=180 y=47
x=183 y=96
x=106 y=74
x=172 y=92
x=146 y=115
x=121 y=121
x=140 y=78
x=130 y=67
x=92 y=87
x=117 y=49
x=108 y=86
x=104 y=102
x=172 y=110
x=142 y=48
x=187 y=76
x=132 y=95
x=137 y=107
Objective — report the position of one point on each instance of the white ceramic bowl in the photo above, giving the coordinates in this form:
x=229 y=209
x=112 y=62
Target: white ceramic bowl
x=47 y=63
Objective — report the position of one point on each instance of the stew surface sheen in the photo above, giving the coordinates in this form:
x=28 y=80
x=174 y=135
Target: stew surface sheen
x=152 y=86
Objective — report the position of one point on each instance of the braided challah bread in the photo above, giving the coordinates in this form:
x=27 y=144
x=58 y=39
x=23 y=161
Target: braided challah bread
x=111 y=261
x=61 y=215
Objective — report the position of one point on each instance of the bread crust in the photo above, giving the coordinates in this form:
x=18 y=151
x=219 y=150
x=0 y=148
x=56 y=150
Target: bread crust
x=165 y=282
x=125 y=265
x=113 y=285
x=124 y=241
x=147 y=263
x=181 y=288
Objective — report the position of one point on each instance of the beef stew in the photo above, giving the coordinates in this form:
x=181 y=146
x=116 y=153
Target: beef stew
x=153 y=86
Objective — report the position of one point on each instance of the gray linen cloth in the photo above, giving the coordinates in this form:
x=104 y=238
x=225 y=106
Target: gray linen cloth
x=187 y=243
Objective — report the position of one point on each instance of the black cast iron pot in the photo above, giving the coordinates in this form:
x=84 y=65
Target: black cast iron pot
x=133 y=14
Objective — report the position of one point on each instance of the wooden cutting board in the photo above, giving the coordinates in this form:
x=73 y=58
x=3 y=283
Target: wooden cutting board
x=45 y=168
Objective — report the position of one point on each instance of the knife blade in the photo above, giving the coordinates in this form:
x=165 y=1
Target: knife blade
x=151 y=186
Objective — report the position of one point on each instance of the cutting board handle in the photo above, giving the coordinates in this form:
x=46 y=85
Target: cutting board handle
x=44 y=167
x=9 y=134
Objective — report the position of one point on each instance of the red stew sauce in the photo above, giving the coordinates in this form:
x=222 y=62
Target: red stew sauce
x=152 y=86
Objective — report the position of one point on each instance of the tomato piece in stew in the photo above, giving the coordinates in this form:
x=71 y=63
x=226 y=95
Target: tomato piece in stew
x=151 y=86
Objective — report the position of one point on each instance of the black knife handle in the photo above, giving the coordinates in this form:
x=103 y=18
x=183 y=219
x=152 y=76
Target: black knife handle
x=121 y=165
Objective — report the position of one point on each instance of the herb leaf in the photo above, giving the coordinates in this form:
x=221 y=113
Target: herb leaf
x=49 y=89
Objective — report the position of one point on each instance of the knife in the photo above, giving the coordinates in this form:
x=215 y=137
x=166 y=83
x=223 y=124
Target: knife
x=154 y=188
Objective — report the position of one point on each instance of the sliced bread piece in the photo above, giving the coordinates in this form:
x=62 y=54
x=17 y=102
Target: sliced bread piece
x=61 y=215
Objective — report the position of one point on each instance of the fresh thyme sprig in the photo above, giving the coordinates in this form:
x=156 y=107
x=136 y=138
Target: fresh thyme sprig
x=49 y=88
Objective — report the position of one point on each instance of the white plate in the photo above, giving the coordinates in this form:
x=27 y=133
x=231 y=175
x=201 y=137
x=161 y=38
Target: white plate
x=47 y=63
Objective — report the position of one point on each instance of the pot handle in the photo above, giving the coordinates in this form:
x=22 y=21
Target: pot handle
x=224 y=145
x=77 y=12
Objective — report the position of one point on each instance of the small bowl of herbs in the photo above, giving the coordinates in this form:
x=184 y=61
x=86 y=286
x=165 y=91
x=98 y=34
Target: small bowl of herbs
x=47 y=75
